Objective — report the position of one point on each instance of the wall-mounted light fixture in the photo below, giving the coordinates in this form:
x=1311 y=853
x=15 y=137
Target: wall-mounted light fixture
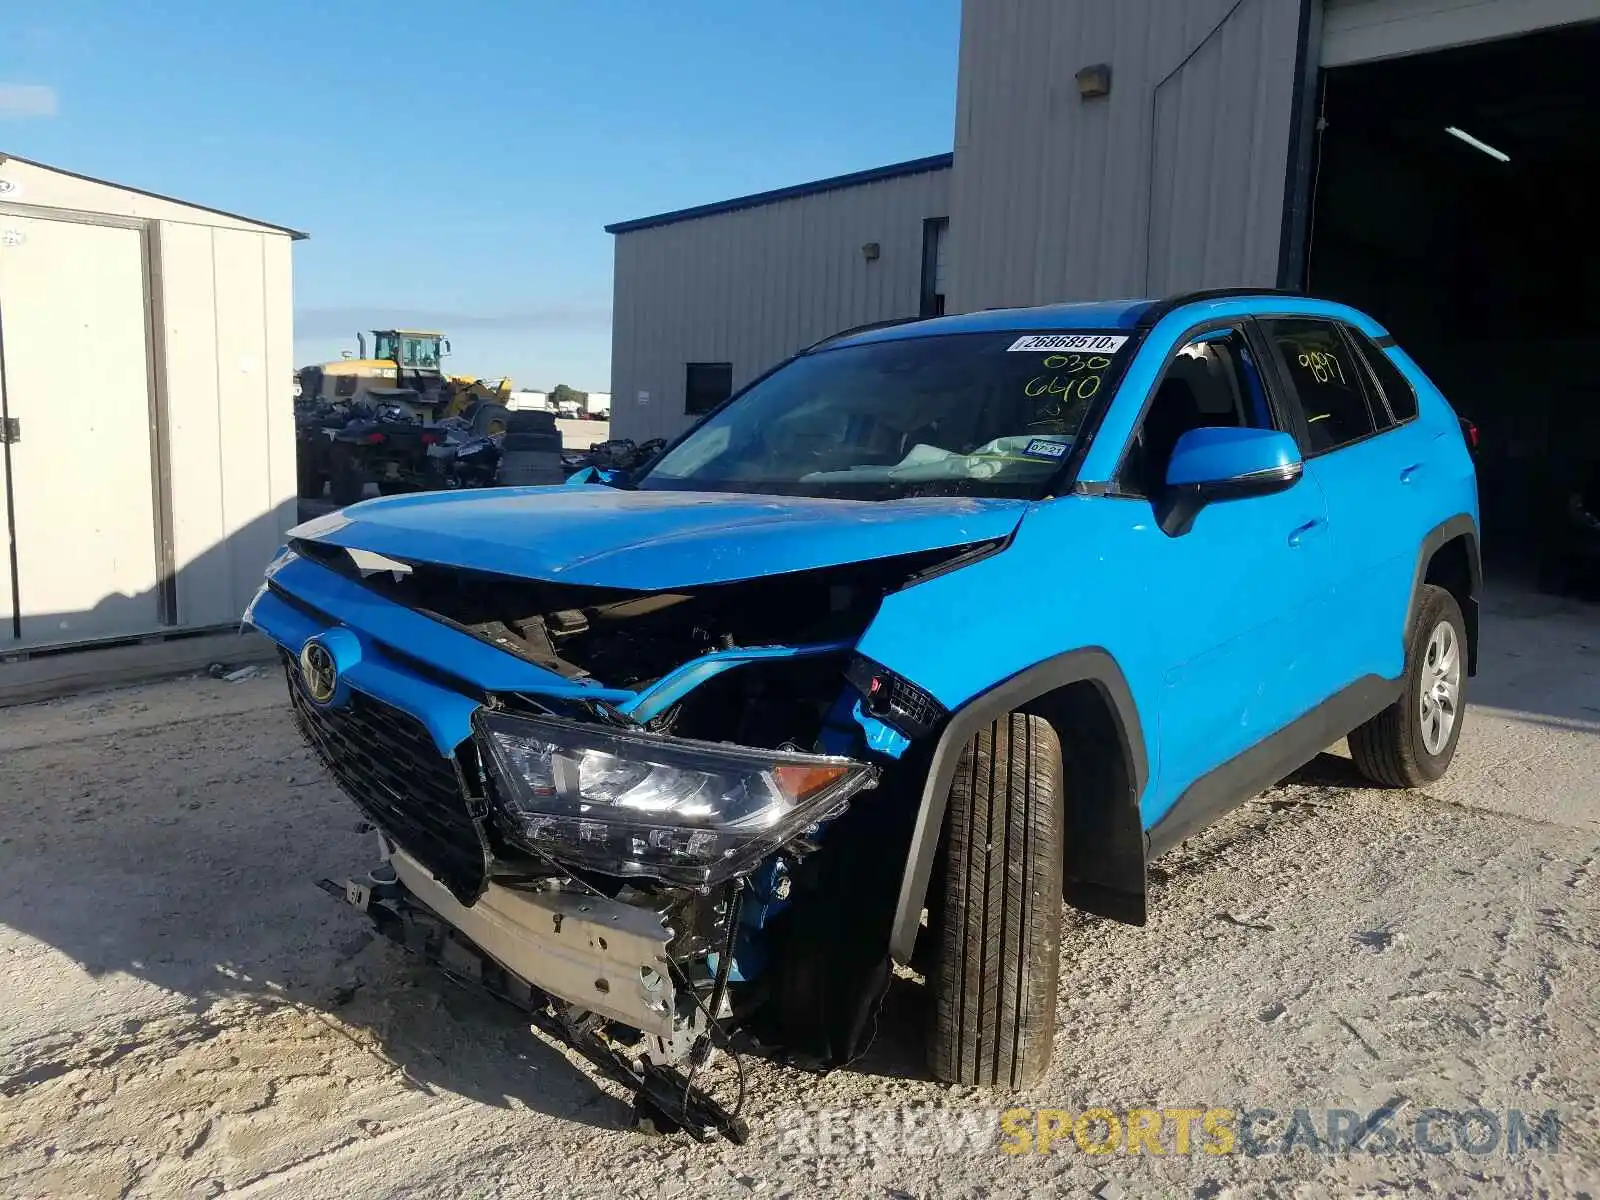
x=871 y=251
x=1094 y=81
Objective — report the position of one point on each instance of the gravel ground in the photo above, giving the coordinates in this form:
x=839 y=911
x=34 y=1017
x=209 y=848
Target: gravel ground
x=187 y=1015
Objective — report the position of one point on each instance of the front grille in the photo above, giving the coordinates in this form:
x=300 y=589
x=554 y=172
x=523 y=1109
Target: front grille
x=387 y=762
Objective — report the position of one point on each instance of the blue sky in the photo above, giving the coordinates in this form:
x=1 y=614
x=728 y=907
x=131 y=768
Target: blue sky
x=454 y=164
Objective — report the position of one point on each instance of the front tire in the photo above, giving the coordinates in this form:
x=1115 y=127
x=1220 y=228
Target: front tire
x=1412 y=742
x=998 y=928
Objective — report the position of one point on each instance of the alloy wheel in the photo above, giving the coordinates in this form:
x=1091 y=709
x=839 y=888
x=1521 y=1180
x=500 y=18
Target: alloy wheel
x=1440 y=698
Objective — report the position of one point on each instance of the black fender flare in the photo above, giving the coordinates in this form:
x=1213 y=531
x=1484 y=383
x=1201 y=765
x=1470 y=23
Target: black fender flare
x=1459 y=526
x=1090 y=664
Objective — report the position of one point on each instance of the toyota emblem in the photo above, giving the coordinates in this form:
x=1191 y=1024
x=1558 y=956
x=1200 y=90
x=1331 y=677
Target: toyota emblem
x=319 y=671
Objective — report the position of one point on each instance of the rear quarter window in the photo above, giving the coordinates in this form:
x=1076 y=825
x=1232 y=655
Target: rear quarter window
x=1395 y=388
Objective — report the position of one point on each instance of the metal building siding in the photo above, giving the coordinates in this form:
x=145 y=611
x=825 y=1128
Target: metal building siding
x=1174 y=180
x=751 y=287
x=1364 y=30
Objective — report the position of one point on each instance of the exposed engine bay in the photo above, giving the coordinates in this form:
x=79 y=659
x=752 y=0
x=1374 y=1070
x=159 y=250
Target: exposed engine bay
x=632 y=639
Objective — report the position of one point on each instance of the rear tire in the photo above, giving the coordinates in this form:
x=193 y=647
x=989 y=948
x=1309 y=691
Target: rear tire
x=532 y=420
x=1411 y=742
x=998 y=928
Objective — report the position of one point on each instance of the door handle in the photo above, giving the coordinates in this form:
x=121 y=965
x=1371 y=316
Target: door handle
x=1410 y=473
x=1309 y=529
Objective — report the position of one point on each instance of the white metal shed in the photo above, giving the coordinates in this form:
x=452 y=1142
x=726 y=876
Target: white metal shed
x=146 y=415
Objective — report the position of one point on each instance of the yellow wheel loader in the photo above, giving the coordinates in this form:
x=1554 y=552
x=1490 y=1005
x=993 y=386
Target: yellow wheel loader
x=364 y=419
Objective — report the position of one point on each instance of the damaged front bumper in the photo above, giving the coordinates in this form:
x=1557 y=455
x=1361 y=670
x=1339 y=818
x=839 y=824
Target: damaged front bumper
x=525 y=849
x=613 y=860
x=587 y=971
x=600 y=955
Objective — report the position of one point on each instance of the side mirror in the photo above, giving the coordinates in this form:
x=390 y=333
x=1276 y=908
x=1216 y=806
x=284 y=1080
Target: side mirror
x=1210 y=466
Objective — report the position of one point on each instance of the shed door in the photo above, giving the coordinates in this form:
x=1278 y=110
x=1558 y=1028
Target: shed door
x=76 y=375
x=8 y=628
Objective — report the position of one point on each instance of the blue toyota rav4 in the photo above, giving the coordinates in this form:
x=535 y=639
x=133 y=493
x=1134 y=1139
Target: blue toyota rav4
x=930 y=627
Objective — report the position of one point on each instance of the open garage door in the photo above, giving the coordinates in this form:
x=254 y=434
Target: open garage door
x=1454 y=201
x=1358 y=31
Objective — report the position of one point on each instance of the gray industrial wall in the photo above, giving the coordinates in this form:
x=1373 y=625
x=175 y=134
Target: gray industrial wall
x=1195 y=171
x=753 y=285
x=1175 y=180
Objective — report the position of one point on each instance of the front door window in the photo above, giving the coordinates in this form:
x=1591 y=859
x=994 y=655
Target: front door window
x=1211 y=381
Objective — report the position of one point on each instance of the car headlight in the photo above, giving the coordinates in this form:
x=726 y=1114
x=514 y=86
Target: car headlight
x=637 y=804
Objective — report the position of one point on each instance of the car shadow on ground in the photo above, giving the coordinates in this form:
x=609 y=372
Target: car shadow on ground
x=448 y=1037
x=186 y=856
x=898 y=1047
x=1326 y=770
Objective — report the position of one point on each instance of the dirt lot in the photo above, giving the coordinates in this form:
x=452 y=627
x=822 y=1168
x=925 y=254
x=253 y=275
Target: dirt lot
x=580 y=435
x=187 y=1015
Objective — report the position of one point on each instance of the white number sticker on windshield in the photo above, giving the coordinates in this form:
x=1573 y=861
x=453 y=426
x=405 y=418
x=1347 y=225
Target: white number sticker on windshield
x=1105 y=343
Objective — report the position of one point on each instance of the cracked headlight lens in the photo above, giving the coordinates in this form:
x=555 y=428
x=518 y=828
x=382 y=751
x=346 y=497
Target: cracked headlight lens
x=637 y=804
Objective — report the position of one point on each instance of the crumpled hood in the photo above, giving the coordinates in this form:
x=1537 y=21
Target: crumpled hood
x=648 y=540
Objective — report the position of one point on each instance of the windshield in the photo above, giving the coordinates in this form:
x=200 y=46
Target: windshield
x=386 y=346
x=993 y=414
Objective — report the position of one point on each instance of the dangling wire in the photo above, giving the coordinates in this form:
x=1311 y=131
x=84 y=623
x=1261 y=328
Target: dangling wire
x=719 y=990
x=727 y=1045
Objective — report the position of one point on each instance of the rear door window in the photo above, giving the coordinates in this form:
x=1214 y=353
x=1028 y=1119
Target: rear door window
x=1326 y=381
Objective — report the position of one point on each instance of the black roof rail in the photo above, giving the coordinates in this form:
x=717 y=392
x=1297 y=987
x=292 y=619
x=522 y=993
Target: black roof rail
x=854 y=329
x=1161 y=308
